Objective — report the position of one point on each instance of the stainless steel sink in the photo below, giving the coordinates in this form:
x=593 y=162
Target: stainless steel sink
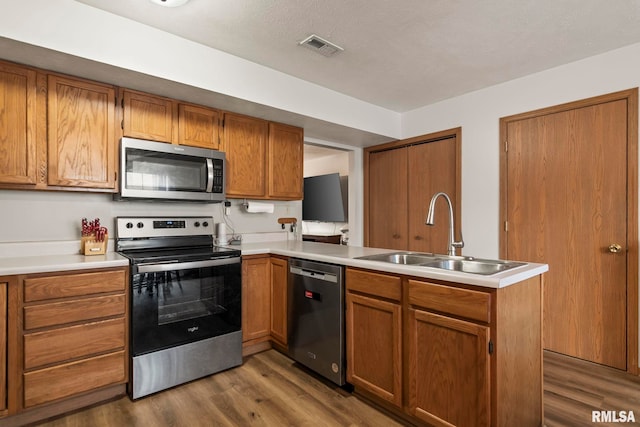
x=474 y=266
x=407 y=258
x=471 y=265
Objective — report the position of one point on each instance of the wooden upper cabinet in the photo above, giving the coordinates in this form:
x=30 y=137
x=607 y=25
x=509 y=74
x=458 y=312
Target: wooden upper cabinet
x=147 y=116
x=245 y=143
x=81 y=133
x=285 y=161
x=18 y=124
x=198 y=126
x=161 y=119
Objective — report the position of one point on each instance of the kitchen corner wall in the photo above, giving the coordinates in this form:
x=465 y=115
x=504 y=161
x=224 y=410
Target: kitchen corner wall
x=39 y=222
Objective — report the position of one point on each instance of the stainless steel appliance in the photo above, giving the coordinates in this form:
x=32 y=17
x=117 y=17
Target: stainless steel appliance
x=155 y=170
x=185 y=301
x=316 y=317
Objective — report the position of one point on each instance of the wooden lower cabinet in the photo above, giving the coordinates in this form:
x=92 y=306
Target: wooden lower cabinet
x=71 y=341
x=264 y=302
x=448 y=370
x=279 y=276
x=3 y=347
x=374 y=327
x=446 y=354
x=256 y=299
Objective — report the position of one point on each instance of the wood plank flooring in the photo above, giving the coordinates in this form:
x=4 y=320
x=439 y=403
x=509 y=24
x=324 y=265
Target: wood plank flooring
x=573 y=388
x=271 y=390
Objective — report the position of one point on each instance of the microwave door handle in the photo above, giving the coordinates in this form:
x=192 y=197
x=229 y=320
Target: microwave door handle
x=209 y=175
x=153 y=268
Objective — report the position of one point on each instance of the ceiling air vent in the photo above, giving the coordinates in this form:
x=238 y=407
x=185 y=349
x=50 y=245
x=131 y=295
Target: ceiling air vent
x=320 y=45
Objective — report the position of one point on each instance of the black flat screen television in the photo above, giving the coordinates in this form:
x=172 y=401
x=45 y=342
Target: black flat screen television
x=325 y=198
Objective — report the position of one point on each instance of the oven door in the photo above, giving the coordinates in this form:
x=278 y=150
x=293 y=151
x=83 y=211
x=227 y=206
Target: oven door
x=153 y=170
x=181 y=302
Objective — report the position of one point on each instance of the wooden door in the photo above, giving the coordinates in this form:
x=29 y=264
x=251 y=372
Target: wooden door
x=566 y=191
x=81 y=133
x=147 y=116
x=388 y=199
x=198 y=126
x=256 y=298
x=245 y=144
x=18 y=125
x=279 y=276
x=432 y=168
x=448 y=370
x=285 y=159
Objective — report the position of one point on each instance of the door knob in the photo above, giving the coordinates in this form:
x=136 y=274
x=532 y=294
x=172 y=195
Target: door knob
x=614 y=248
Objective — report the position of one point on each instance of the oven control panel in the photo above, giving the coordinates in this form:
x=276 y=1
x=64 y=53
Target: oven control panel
x=134 y=227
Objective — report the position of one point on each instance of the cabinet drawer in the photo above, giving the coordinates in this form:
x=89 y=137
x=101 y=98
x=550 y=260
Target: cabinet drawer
x=71 y=285
x=66 y=380
x=381 y=285
x=447 y=299
x=60 y=345
x=59 y=313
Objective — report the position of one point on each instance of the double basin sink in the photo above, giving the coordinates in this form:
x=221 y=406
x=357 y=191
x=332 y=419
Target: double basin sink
x=462 y=264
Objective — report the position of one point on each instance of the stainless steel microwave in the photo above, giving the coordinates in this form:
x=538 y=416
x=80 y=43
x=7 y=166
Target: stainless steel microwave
x=158 y=171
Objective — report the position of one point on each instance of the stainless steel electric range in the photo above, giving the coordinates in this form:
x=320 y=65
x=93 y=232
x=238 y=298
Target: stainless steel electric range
x=185 y=301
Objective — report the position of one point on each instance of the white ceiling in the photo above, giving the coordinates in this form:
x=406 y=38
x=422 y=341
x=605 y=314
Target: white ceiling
x=400 y=54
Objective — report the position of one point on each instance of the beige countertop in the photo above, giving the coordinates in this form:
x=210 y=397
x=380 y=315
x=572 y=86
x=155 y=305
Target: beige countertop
x=324 y=252
x=345 y=255
x=51 y=263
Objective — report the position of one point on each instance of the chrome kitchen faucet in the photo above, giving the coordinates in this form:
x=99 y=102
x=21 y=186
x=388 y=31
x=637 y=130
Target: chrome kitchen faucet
x=429 y=221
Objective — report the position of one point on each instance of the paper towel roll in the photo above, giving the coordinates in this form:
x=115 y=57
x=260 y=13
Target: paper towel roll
x=257 y=207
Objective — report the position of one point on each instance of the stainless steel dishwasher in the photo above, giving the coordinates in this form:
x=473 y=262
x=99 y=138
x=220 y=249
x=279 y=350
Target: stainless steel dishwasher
x=316 y=317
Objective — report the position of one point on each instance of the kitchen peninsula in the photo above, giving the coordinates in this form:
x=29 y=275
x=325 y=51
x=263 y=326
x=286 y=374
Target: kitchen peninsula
x=428 y=344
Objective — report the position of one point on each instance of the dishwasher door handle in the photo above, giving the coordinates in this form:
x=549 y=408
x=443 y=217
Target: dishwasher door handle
x=318 y=275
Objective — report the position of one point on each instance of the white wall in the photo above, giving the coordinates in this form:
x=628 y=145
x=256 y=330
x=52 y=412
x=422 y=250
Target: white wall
x=336 y=163
x=77 y=29
x=52 y=219
x=478 y=114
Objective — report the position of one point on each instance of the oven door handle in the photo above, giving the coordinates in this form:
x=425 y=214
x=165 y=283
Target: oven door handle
x=209 y=175
x=153 y=268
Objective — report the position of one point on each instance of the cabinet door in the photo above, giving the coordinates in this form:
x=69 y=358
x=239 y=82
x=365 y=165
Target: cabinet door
x=448 y=370
x=374 y=347
x=18 y=125
x=198 y=126
x=285 y=161
x=432 y=168
x=81 y=133
x=245 y=144
x=279 y=275
x=147 y=116
x=388 y=199
x=3 y=347
x=256 y=298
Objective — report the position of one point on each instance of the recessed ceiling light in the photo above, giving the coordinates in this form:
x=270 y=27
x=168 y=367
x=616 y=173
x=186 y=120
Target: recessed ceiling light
x=169 y=3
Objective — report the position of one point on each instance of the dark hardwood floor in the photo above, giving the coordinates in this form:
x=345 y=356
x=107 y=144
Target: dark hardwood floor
x=270 y=390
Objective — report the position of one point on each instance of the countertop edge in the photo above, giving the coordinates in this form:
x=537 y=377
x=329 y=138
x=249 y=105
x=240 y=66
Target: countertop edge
x=496 y=281
x=11 y=266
